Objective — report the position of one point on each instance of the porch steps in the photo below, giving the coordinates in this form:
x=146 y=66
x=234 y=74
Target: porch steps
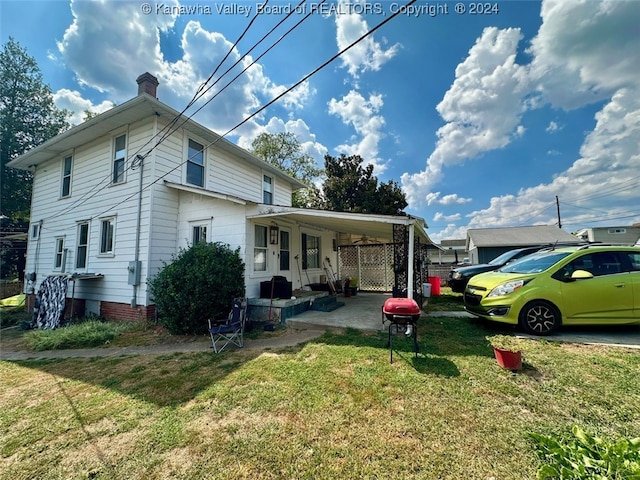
x=326 y=304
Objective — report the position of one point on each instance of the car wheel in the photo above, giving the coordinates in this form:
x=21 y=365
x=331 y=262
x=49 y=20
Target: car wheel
x=539 y=318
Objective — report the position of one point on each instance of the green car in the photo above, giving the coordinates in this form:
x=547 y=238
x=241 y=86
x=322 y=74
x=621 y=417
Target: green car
x=582 y=285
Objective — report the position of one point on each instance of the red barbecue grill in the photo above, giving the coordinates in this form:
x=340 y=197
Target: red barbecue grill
x=405 y=312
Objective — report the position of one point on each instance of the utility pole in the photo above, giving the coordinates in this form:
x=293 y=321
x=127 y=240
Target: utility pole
x=558 y=209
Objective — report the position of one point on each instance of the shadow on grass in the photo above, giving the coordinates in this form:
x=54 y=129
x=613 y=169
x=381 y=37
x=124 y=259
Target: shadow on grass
x=173 y=380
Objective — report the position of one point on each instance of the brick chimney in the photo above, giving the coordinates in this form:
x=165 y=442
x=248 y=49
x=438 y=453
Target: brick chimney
x=148 y=84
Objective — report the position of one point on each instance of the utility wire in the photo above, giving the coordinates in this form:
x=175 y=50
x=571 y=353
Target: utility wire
x=105 y=182
x=201 y=91
x=267 y=105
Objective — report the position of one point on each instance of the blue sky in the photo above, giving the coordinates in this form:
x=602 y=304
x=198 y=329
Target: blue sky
x=482 y=119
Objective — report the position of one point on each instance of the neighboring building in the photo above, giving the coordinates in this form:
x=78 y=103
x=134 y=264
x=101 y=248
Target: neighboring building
x=450 y=251
x=110 y=204
x=485 y=244
x=619 y=235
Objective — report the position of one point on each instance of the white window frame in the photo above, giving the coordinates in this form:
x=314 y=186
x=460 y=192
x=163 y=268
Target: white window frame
x=58 y=254
x=305 y=251
x=198 y=233
x=80 y=245
x=260 y=236
x=190 y=162
x=66 y=176
x=267 y=189
x=118 y=156
x=285 y=250
x=103 y=251
x=35 y=231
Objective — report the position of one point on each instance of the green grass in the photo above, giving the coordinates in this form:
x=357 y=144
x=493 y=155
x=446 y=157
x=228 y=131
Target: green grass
x=332 y=408
x=91 y=333
x=446 y=301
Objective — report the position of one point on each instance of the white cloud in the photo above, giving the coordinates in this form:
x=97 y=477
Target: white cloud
x=109 y=42
x=73 y=101
x=602 y=184
x=585 y=51
x=482 y=109
x=434 y=198
x=553 y=127
x=592 y=61
x=110 y=53
x=439 y=216
x=368 y=54
x=363 y=115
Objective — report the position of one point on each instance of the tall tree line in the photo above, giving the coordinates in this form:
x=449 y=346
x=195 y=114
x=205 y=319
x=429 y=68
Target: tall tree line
x=28 y=117
x=344 y=185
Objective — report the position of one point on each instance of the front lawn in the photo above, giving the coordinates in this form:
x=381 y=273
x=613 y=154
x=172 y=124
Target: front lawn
x=332 y=408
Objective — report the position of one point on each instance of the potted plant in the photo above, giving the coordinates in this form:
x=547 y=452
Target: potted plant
x=507 y=352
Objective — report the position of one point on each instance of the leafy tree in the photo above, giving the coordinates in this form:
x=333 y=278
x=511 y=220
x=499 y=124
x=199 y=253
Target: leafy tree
x=199 y=283
x=350 y=187
x=283 y=150
x=28 y=117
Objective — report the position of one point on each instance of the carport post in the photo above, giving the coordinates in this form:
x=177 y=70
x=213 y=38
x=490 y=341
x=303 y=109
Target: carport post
x=410 y=261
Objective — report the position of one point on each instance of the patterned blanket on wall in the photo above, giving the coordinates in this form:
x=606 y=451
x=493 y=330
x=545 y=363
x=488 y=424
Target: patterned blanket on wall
x=50 y=302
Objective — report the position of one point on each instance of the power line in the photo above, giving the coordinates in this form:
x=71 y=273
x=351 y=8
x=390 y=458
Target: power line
x=268 y=104
x=201 y=91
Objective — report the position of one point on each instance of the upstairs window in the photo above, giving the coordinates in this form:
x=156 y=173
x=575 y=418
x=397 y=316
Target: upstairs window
x=119 y=157
x=67 y=165
x=267 y=190
x=107 y=235
x=35 y=231
x=195 y=164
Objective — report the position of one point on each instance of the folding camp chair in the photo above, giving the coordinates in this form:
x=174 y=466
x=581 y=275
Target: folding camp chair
x=230 y=330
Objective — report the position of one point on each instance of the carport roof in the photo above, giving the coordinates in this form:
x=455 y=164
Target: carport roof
x=380 y=226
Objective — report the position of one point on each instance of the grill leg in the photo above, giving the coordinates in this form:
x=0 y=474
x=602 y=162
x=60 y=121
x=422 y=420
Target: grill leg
x=390 y=345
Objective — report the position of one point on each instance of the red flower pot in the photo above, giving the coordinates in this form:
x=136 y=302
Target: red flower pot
x=508 y=358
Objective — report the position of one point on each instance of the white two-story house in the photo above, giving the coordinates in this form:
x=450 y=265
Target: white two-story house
x=118 y=195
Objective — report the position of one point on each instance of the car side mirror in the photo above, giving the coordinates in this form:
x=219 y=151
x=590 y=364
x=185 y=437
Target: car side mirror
x=581 y=275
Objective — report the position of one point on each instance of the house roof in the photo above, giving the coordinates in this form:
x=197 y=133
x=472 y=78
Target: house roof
x=517 y=236
x=359 y=223
x=138 y=108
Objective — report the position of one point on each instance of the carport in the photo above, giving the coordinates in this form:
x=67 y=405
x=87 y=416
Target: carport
x=406 y=232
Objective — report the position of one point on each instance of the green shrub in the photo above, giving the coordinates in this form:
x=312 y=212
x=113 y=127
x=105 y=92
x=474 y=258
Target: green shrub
x=199 y=283
x=87 y=334
x=587 y=457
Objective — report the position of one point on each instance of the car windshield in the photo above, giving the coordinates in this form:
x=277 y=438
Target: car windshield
x=504 y=258
x=535 y=263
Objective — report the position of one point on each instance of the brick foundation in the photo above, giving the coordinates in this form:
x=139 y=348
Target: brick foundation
x=109 y=310
x=124 y=311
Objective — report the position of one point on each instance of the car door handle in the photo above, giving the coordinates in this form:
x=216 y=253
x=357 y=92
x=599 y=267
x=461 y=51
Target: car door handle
x=619 y=285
